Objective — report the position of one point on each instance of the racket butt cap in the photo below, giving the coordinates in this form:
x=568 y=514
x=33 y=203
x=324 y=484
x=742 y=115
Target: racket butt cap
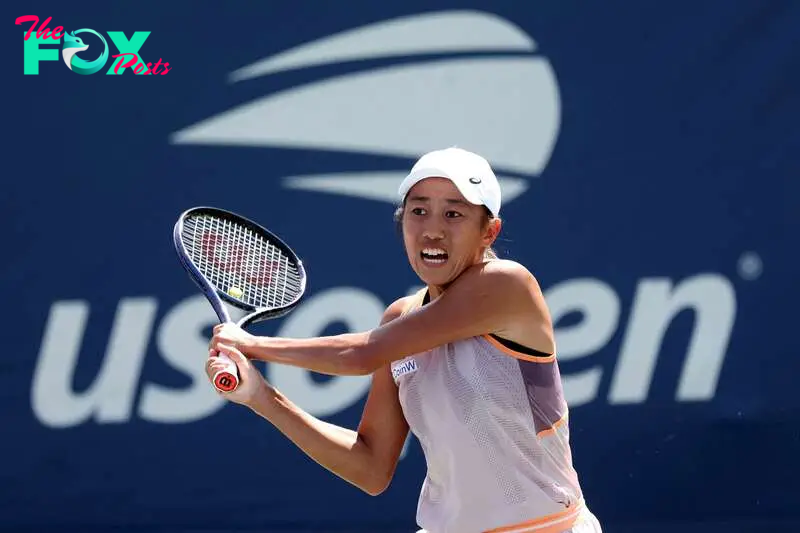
x=225 y=381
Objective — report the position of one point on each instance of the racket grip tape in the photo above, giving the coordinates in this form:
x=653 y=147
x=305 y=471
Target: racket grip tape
x=226 y=379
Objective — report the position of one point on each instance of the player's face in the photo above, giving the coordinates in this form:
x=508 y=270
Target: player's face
x=443 y=233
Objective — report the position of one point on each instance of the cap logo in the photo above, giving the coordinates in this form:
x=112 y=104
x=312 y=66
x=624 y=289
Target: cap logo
x=475 y=180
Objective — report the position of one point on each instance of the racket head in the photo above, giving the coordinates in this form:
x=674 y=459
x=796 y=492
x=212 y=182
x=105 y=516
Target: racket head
x=221 y=249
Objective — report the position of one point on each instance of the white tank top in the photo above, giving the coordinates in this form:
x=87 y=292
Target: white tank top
x=492 y=423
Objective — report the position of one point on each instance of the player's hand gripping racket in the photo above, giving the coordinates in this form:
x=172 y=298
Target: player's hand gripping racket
x=234 y=259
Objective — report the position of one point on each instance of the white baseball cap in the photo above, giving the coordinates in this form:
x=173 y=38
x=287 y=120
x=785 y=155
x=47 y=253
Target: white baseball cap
x=470 y=172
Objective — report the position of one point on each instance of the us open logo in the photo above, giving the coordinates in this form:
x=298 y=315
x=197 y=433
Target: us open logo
x=477 y=81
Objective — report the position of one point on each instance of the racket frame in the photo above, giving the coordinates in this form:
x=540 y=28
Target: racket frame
x=218 y=297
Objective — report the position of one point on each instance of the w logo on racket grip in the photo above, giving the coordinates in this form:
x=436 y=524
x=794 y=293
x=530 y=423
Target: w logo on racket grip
x=230 y=257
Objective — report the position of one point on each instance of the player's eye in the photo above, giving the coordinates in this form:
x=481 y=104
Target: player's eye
x=418 y=211
x=452 y=214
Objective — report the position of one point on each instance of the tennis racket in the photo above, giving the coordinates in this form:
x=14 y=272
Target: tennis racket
x=236 y=261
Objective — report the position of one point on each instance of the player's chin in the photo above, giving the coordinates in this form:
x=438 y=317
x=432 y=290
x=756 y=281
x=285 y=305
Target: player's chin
x=437 y=274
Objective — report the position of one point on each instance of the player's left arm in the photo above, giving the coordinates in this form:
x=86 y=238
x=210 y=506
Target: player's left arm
x=500 y=297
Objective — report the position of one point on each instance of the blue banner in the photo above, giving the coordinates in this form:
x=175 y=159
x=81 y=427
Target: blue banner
x=648 y=155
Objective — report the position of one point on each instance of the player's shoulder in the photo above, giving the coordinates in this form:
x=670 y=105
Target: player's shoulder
x=504 y=274
x=507 y=267
x=399 y=307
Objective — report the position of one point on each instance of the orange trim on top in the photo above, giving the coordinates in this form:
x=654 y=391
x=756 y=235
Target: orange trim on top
x=553 y=523
x=519 y=355
x=552 y=429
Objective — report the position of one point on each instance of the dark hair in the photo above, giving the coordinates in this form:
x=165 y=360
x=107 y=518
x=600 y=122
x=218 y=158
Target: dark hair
x=487 y=217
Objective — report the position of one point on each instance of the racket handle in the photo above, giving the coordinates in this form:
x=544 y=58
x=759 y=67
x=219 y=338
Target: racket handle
x=227 y=379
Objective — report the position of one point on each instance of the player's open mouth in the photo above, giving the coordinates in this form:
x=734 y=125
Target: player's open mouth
x=433 y=256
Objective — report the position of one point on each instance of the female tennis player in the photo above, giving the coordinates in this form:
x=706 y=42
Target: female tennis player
x=468 y=364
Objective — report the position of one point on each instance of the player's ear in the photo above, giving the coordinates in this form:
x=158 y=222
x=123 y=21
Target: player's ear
x=491 y=230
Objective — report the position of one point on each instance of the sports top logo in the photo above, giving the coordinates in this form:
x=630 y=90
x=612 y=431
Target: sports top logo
x=476 y=82
x=128 y=55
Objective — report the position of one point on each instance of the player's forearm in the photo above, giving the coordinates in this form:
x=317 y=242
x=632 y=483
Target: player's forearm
x=337 y=449
x=349 y=354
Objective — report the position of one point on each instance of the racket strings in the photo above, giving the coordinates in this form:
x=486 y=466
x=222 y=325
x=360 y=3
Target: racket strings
x=233 y=255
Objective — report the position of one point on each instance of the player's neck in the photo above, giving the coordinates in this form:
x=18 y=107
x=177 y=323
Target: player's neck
x=434 y=291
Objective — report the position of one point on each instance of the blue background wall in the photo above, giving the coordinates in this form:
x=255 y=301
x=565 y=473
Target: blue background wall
x=649 y=152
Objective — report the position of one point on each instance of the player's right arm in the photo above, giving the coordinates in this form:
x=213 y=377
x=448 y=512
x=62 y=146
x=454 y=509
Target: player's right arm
x=367 y=458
